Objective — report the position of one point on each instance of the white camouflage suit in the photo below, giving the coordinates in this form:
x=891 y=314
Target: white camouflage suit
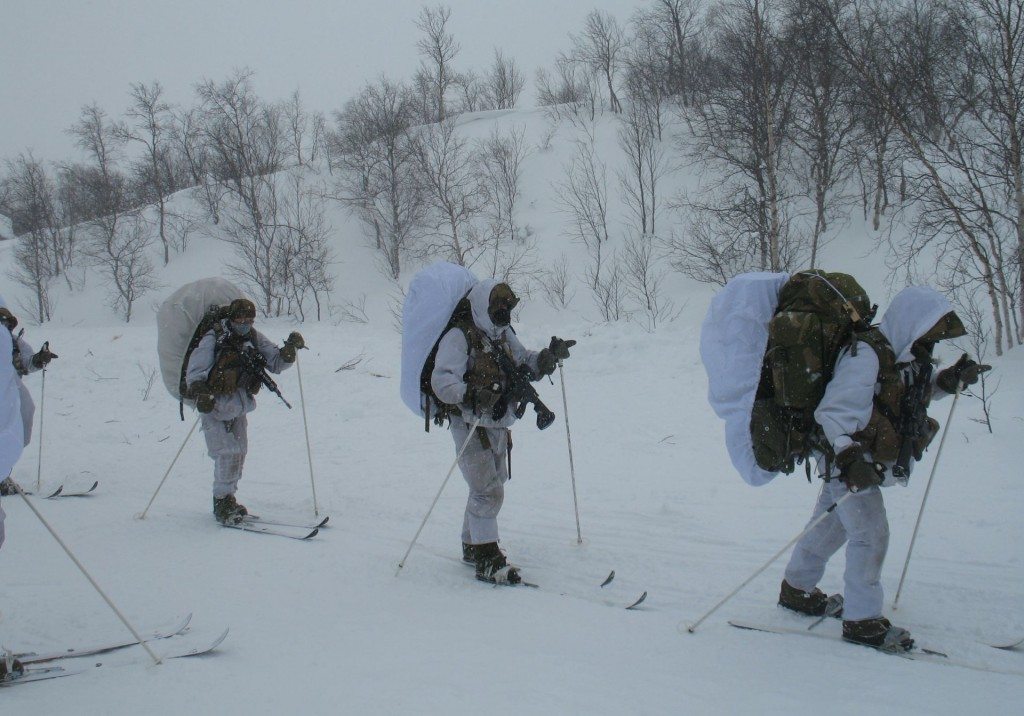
x=845 y=409
x=225 y=427
x=12 y=438
x=485 y=470
x=28 y=407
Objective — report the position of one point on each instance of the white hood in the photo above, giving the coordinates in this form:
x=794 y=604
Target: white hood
x=480 y=299
x=911 y=314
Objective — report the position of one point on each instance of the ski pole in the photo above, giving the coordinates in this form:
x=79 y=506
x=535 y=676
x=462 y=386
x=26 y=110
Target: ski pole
x=572 y=465
x=42 y=403
x=458 y=456
x=305 y=427
x=83 y=570
x=927 y=488
x=142 y=515
x=814 y=523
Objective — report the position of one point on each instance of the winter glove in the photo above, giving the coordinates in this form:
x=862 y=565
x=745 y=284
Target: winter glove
x=560 y=348
x=546 y=362
x=857 y=473
x=292 y=343
x=961 y=374
x=8 y=319
x=43 y=357
x=203 y=396
x=483 y=400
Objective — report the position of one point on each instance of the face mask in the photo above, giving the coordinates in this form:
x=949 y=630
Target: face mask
x=501 y=317
x=241 y=329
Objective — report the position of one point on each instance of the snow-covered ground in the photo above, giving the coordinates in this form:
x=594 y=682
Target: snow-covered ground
x=326 y=625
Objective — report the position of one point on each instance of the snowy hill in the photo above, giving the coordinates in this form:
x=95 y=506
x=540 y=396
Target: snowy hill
x=325 y=625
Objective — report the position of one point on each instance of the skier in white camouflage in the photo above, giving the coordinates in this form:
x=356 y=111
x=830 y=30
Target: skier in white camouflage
x=471 y=382
x=224 y=390
x=24 y=361
x=860 y=414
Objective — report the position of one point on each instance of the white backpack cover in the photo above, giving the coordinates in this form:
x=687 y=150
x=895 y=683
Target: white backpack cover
x=177 y=320
x=733 y=339
x=433 y=295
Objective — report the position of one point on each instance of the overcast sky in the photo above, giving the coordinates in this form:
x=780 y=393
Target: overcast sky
x=57 y=55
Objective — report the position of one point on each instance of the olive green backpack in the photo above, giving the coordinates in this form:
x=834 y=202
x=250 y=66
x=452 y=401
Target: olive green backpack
x=818 y=314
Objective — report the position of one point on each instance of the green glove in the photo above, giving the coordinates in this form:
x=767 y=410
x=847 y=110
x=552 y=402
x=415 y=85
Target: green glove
x=201 y=393
x=857 y=473
x=44 y=356
x=295 y=339
x=288 y=353
x=964 y=372
x=546 y=362
x=560 y=348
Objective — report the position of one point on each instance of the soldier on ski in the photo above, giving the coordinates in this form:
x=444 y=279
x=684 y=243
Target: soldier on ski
x=24 y=362
x=472 y=383
x=874 y=396
x=222 y=377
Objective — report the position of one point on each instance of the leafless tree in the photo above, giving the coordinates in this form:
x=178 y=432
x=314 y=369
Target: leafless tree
x=646 y=163
x=188 y=136
x=644 y=281
x=959 y=124
x=569 y=92
x=501 y=158
x=557 y=284
x=823 y=123
x=583 y=196
x=438 y=48
x=670 y=32
x=447 y=165
x=741 y=128
x=379 y=181
x=504 y=82
x=600 y=47
x=151 y=121
x=246 y=140
x=119 y=245
x=296 y=121
x=609 y=290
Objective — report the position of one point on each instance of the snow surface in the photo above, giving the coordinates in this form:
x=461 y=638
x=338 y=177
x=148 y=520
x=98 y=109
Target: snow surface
x=327 y=626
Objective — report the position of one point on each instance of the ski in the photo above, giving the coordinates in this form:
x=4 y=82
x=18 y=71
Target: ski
x=271 y=530
x=638 y=602
x=54 y=672
x=197 y=651
x=1007 y=645
x=50 y=496
x=916 y=654
x=608 y=579
x=76 y=493
x=50 y=672
x=257 y=519
x=32 y=658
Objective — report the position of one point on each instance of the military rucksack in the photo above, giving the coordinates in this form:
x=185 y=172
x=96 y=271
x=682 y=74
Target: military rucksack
x=182 y=321
x=818 y=315
x=433 y=304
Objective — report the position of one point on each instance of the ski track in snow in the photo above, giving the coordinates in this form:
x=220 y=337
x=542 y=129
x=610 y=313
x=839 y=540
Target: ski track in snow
x=326 y=625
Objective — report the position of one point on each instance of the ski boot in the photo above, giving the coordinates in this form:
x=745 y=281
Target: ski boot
x=10 y=668
x=491 y=565
x=879 y=633
x=469 y=553
x=7 y=487
x=814 y=604
x=227 y=510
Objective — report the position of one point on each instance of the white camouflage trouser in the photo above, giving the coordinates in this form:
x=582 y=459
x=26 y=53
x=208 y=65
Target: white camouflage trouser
x=860 y=522
x=226 y=442
x=28 y=411
x=485 y=471
x=2 y=516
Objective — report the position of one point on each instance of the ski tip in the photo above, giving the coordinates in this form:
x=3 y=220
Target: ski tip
x=55 y=493
x=324 y=521
x=314 y=533
x=638 y=602
x=608 y=579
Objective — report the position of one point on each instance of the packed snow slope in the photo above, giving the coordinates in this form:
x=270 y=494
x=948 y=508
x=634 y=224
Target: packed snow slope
x=326 y=625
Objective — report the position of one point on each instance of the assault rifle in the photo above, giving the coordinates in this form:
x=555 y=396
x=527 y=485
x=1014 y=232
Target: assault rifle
x=913 y=422
x=256 y=364
x=520 y=391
